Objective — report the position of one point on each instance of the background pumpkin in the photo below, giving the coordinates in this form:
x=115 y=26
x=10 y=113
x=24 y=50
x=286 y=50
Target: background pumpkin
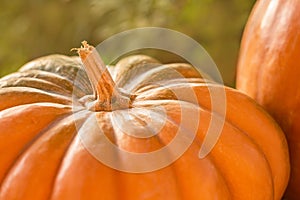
x=42 y=116
x=269 y=70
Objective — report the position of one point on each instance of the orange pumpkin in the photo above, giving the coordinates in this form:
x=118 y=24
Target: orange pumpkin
x=51 y=112
x=269 y=71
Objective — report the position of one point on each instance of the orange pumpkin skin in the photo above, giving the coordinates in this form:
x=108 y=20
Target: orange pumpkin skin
x=45 y=159
x=269 y=71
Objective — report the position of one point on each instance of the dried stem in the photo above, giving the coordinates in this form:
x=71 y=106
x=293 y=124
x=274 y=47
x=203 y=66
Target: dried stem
x=108 y=96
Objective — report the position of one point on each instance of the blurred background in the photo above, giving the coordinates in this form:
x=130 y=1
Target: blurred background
x=34 y=28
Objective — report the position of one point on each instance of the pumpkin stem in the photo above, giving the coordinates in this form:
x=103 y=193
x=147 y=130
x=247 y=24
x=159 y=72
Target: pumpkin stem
x=108 y=96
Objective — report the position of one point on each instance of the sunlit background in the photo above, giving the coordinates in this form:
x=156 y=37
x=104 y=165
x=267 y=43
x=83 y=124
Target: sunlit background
x=34 y=28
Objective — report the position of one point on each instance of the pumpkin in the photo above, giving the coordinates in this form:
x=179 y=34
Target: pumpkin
x=269 y=70
x=59 y=123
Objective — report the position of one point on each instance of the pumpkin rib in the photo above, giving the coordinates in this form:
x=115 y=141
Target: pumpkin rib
x=50 y=134
x=112 y=133
x=268 y=118
x=36 y=83
x=197 y=142
x=169 y=90
x=161 y=73
x=160 y=141
x=75 y=146
x=78 y=85
x=169 y=83
x=257 y=147
x=53 y=78
x=128 y=67
x=27 y=144
x=177 y=182
x=267 y=153
x=61 y=65
x=230 y=123
x=55 y=63
x=49 y=126
x=221 y=178
x=243 y=135
x=65 y=153
x=264 y=163
x=221 y=175
x=14 y=96
x=39 y=75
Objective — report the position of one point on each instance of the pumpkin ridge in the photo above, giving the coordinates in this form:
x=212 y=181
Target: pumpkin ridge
x=122 y=179
x=159 y=74
x=240 y=131
x=188 y=82
x=256 y=144
x=49 y=133
x=132 y=66
x=14 y=96
x=268 y=118
x=113 y=138
x=61 y=66
x=217 y=169
x=53 y=78
x=197 y=141
x=171 y=83
x=56 y=63
x=258 y=147
x=173 y=167
x=38 y=84
x=176 y=180
x=28 y=144
x=158 y=138
x=170 y=90
x=263 y=162
x=77 y=143
x=279 y=135
x=59 y=166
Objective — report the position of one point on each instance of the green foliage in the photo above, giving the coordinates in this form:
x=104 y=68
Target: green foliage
x=34 y=28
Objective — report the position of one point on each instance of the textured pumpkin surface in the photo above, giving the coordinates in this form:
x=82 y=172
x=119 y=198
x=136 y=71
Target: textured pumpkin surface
x=269 y=71
x=45 y=106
